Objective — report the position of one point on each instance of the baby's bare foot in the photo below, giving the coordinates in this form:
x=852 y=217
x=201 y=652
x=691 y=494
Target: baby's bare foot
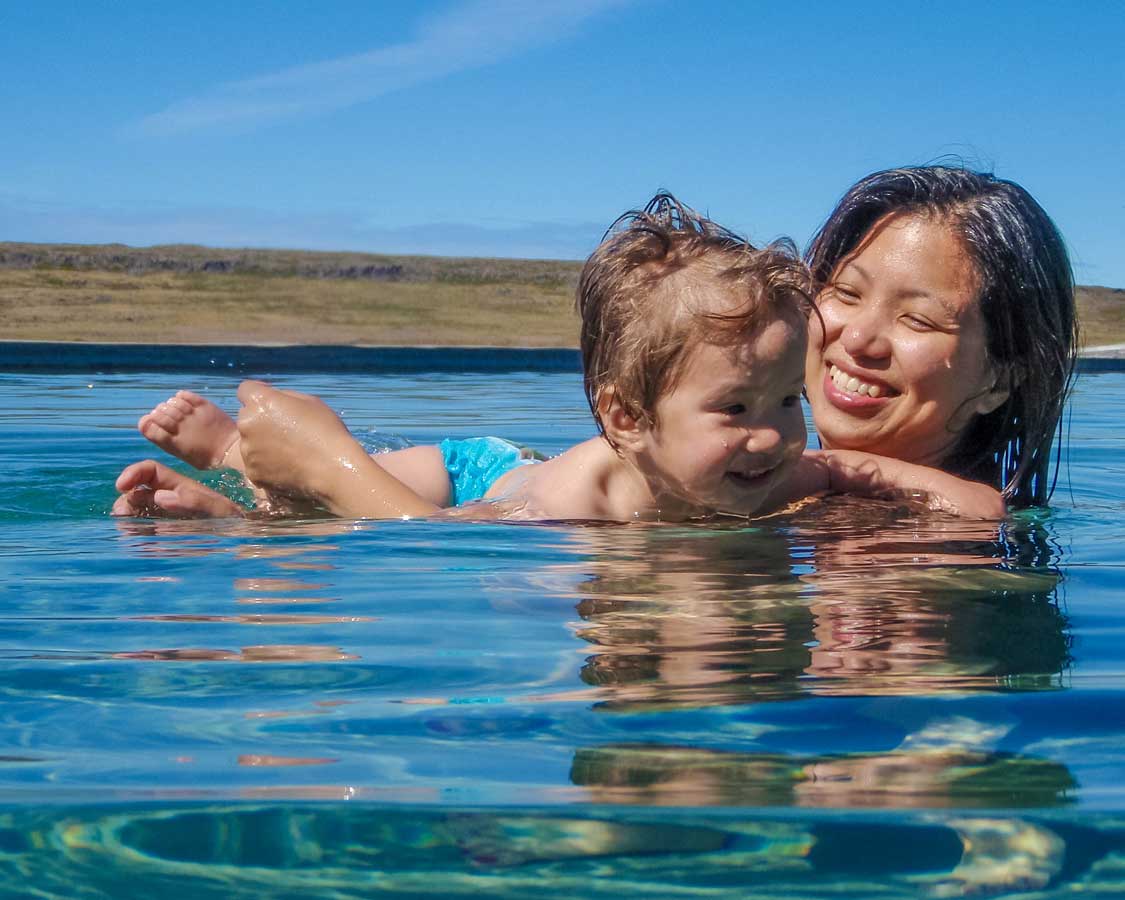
x=150 y=489
x=193 y=429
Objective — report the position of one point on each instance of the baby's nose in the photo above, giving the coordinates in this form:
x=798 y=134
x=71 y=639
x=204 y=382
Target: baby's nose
x=763 y=440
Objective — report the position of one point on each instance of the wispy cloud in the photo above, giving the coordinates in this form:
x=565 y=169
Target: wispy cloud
x=475 y=34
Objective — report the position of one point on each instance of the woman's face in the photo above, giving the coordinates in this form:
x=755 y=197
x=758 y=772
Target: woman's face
x=901 y=366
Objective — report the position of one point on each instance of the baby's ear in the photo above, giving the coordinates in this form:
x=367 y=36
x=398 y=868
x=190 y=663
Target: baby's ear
x=622 y=429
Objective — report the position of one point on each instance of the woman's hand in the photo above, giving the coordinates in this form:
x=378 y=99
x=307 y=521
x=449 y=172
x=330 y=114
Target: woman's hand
x=294 y=445
x=865 y=474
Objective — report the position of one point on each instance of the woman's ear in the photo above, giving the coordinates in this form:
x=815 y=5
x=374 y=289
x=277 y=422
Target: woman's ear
x=623 y=430
x=1003 y=380
x=988 y=400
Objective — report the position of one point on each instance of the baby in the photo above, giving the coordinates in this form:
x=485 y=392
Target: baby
x=693 y=347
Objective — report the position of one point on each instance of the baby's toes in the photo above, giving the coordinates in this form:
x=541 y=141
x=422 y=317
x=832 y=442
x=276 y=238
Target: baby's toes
x=151 y=431
x=159 y=422
x=178 y=407
x=191 y=398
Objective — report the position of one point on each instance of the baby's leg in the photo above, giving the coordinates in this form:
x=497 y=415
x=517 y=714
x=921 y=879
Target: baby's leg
x=193 y=429
x=150 y=489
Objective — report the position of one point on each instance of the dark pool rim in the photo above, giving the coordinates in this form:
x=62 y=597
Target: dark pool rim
x=55 y=357
x=249 y=359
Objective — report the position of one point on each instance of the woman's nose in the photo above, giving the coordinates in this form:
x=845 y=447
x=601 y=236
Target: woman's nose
x=865 y=334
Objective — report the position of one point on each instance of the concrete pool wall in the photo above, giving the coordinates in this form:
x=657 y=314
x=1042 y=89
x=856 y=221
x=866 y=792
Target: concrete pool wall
x=59 y=356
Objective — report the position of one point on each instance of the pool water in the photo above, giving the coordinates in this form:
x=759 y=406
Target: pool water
x=854 y=698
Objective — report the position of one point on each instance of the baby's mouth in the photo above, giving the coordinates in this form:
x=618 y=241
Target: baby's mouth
x=849 y=384
x=750 y=479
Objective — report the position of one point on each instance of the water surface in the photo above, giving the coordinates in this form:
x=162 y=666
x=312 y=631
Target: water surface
x=854 y=697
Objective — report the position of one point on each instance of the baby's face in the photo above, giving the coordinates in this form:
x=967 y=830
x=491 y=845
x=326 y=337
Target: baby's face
x=732 y=429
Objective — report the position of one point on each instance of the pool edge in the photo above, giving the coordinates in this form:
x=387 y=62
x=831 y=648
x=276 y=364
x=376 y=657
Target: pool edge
x=68 y=356
x=245 y=359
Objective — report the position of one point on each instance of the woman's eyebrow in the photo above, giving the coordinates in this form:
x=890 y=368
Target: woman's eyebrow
x=946 y=307
x=853 y=265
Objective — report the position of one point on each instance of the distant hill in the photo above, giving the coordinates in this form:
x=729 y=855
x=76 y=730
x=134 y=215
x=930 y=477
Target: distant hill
x=190 y=258
x=187 y=293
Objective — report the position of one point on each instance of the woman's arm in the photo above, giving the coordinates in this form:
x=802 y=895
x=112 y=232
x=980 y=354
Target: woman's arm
x=856 y=472
x=294 y=445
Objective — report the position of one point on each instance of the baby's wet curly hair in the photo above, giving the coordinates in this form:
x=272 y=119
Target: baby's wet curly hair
x=647 y=300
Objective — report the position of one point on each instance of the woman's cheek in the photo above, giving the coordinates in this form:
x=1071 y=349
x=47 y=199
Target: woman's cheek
x=826 y=327
x=925 y=356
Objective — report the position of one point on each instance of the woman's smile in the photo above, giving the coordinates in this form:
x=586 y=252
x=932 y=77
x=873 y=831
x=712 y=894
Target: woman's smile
x=854 y=387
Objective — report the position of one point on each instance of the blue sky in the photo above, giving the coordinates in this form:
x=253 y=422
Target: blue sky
x=494 y=127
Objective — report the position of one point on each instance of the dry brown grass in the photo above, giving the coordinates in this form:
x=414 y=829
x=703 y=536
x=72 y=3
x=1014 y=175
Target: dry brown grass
x=1101 y=312
x=64 y=305
x=202 y=295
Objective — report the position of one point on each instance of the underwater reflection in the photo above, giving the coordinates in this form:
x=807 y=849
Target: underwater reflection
x=843 y=599
x=905 y=778
x=352 y=849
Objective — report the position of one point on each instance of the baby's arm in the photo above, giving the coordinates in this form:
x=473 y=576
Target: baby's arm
x=855 y=472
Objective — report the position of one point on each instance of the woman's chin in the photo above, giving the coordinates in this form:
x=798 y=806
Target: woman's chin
x=845 y=425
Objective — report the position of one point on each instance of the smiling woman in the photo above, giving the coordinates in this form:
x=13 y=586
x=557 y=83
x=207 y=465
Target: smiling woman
x=902 y=364
x=948 y=331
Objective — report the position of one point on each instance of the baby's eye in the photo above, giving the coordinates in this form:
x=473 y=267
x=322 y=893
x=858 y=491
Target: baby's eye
x=734 y=409
x=791 y=401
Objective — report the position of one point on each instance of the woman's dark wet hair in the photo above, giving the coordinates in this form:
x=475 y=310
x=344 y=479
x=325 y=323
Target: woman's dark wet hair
x=1026 y=296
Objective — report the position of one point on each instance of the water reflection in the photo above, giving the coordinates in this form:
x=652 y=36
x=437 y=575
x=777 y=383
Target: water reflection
x=256 y=654
x=350 y=849
x=824 y=602
x=177 y=538
x=827 y=602
x=940 y=778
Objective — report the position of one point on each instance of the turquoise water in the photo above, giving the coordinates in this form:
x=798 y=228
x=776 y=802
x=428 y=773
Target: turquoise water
x=854 y=699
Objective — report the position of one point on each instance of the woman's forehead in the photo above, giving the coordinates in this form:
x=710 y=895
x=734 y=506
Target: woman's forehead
x=915 y=254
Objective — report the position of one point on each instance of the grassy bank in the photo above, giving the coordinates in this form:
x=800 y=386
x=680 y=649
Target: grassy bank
x=187 y=294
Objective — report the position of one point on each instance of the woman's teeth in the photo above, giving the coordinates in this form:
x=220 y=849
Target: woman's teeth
x=852 y=385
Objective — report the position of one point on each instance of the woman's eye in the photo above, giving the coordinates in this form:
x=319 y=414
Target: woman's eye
x=918 y=324
x=734 y=409
x=844 y=294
